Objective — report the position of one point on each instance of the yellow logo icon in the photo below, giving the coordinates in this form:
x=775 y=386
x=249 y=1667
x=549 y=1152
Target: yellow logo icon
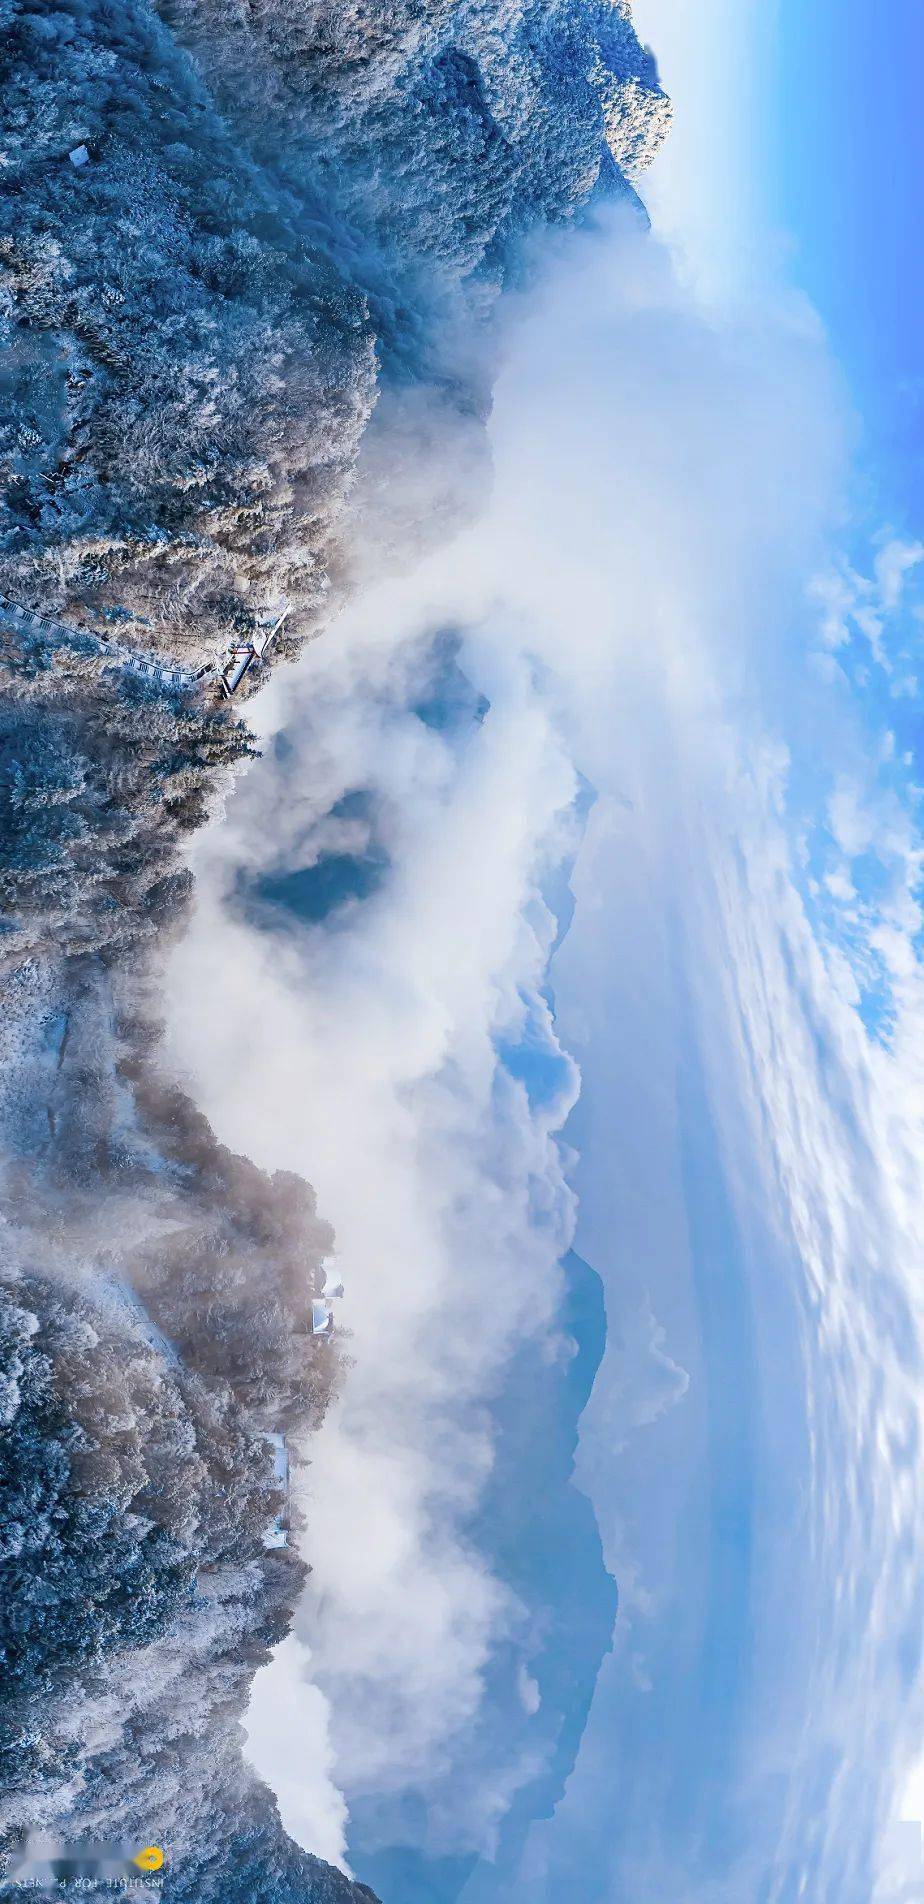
x=150 y=1859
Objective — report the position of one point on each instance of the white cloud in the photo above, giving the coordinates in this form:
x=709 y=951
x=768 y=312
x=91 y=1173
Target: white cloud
x=288 y=1742
x=894 y=561
x=666 y=485
x=871 y=604
x=528 y=1690
x=366 y=1057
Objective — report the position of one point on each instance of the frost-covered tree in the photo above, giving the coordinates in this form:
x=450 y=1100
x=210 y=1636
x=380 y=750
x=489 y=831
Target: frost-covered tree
x=248 y=258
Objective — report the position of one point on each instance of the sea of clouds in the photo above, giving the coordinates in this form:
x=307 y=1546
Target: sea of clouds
x=663 y=598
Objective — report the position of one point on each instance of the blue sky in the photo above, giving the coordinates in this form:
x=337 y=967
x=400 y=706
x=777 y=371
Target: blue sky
x=846 y=179
x=799 y=139
x=832 y=146
x=797 y=168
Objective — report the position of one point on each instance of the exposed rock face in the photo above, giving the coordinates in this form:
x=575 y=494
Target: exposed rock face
x=287 y=215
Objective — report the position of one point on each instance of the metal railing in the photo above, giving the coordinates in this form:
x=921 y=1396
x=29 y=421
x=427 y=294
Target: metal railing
x=237 y=659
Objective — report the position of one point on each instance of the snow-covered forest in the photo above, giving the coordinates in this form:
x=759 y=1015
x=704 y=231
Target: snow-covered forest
x=250 y=257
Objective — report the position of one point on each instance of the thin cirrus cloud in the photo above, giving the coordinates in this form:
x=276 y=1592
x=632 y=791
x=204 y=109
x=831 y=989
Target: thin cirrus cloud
x=635 y=604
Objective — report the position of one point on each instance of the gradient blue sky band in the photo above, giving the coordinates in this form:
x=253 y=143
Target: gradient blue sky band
x=847 y=150
x=799 y=137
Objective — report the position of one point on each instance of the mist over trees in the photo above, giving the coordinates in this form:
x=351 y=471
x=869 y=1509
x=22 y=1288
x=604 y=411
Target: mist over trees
x=154 y=1326
x=280 y=206
x=248 y=259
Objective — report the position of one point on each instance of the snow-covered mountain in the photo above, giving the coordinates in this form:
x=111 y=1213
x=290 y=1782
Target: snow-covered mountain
x=233 y=240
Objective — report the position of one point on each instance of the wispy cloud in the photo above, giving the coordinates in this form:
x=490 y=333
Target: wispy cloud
x=636 y=607
x=365 y=1049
